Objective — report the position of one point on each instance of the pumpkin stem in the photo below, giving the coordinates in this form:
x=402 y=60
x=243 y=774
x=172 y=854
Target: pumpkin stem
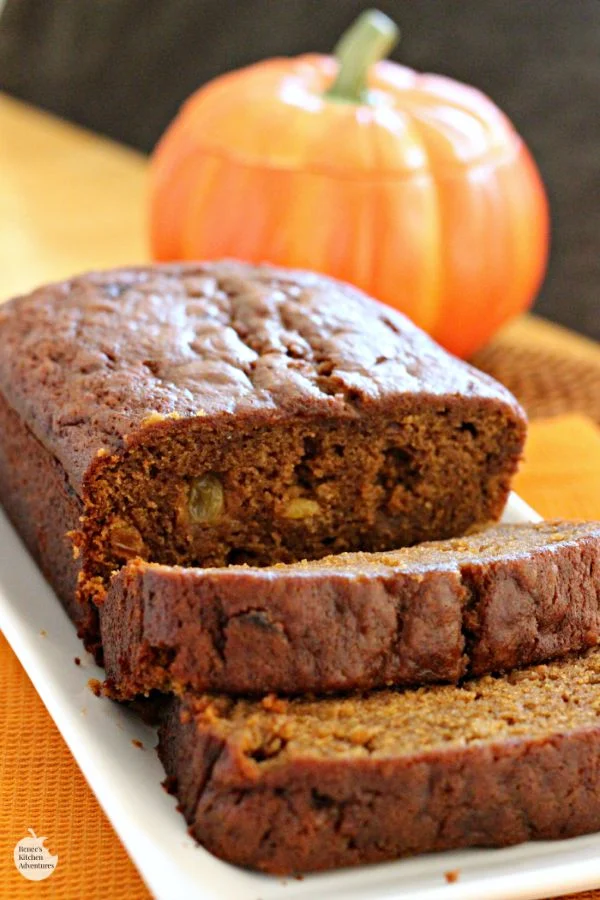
x=370 y=38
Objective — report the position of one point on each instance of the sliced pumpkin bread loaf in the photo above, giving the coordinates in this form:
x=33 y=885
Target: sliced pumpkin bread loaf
x=218 y=413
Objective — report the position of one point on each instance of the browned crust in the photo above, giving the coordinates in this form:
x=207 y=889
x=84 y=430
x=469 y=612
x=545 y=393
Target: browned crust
x=227 y=338
x=323 y=814
x=319 y=630
x=44 y=509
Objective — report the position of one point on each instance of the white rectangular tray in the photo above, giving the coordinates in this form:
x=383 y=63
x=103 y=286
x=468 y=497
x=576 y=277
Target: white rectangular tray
x=126 y=781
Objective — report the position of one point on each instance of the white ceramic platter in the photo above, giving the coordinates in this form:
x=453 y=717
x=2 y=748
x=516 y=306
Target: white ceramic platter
x=126 y=780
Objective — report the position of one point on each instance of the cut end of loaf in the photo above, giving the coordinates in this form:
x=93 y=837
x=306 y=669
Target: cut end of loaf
x=200 y=493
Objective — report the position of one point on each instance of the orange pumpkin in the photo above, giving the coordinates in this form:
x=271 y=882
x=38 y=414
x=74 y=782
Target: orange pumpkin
x=414 y=187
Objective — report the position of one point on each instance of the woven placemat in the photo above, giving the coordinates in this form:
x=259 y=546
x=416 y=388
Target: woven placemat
x=550 y=370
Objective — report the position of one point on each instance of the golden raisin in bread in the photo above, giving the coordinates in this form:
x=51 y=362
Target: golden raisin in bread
x=300 y=785
x=505 y=597
x=221 y=413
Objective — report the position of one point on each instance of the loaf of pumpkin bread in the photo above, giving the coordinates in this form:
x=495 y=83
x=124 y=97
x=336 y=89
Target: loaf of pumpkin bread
x=505 y=597
x=297 y=785
x=220 y=413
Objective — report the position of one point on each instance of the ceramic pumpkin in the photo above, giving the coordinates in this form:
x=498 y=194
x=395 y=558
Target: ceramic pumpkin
x=413 y=187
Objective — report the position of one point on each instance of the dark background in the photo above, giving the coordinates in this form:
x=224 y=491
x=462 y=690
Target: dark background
x=123 y=67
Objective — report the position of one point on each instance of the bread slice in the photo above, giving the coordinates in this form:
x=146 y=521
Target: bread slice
x=509 y=596
x=299 y=785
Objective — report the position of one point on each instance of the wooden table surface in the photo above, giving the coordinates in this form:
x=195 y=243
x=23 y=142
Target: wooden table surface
x=69 y=201
x=72 y=201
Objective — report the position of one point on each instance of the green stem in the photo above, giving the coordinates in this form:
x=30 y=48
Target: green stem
x=370 y=38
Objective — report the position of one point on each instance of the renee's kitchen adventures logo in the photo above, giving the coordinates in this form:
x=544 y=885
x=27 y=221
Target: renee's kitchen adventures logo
x=32 y=859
